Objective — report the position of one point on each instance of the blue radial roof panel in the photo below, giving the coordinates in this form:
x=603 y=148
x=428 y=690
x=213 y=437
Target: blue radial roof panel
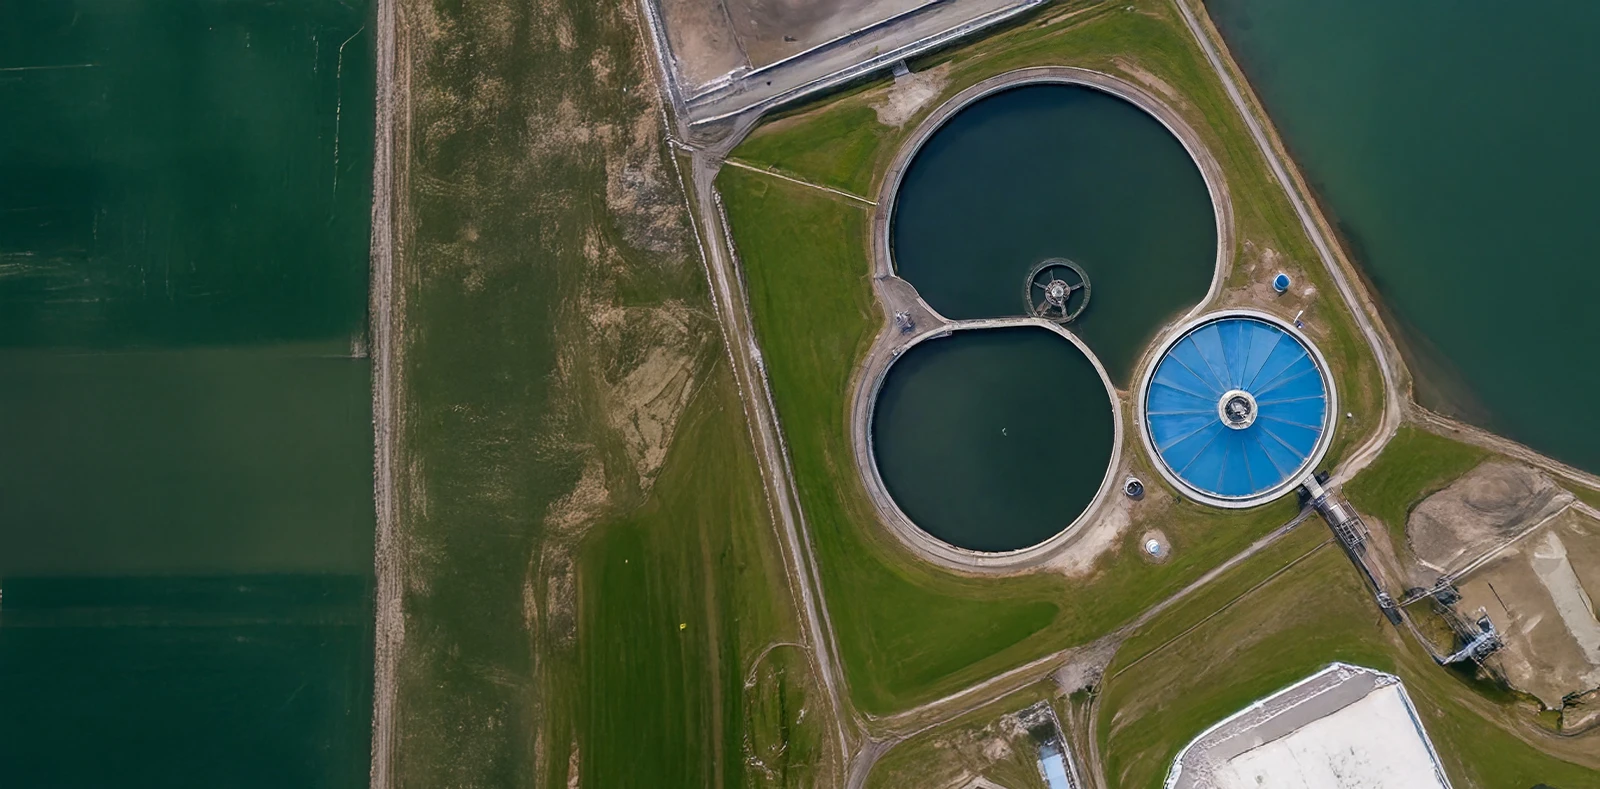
x=1281 y=395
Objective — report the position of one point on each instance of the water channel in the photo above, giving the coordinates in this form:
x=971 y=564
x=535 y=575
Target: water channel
x=1058 y=171
x=186 y=517
x=993 y=439
x=1454 y=144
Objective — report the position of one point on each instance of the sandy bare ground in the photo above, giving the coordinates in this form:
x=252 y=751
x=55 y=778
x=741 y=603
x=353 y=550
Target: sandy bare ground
x=704 y=44
x=771 y=30
x=1486 y=508
x=911 y=92
x=1534 y=593
x=711 y=39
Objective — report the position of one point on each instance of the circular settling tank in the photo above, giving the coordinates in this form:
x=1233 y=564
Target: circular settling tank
x=1048 y=171
x=1237 y=408
x=993 y=440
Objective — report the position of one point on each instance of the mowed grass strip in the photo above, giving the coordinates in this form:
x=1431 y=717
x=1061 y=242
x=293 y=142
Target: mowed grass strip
x=1317 y=612
x=908 y=632
x=839 y=147
x=677 y=598
x=1415 y=464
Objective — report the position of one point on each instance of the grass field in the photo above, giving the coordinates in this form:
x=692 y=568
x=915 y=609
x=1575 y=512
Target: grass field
x=1414 y=465
x=590 y=565
x=1228 y=590
x=677 y=598
x=906 y=631
x=1315 y=613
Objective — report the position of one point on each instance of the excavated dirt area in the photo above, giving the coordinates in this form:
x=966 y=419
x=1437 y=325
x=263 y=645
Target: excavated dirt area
x=1490 y=505
x=710 y=38
x=910 y=93
x=1540 y=594
x=771 y=30
x=703 y=42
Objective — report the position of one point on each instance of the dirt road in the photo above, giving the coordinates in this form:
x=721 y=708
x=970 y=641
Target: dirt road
x=384 y=316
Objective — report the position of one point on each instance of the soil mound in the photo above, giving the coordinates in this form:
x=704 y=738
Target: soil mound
x=1483 y=509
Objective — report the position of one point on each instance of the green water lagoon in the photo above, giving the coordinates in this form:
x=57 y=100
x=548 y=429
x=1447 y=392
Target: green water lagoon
x=993 y=439
x=1046 y=171
x=186 y=519
x=1454 y=145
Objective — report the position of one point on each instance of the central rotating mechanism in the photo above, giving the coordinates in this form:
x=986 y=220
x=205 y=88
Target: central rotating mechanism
x=1237 y=409
x=1057 y=290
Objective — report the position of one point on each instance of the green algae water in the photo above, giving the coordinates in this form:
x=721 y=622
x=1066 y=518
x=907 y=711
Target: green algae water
x=1046 y=171
x=993 y=439
x=185 y=404
x=1453 y=143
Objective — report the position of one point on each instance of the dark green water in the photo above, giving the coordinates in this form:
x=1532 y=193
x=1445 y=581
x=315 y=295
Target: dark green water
x=993 y=440
x=1455 y=144
x=186 y=482
x=1058 y=171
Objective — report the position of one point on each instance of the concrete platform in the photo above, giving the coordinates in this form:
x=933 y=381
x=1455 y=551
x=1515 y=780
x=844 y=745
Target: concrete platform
x=1345 y=727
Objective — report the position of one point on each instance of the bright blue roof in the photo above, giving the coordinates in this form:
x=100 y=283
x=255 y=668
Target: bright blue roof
x=1236 y=354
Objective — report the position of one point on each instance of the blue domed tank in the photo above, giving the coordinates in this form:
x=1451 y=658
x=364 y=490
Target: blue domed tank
x=1237 y=409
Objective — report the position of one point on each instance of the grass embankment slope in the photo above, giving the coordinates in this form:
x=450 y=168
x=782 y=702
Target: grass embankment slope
x=590 y=568
x=1153 y=702
x=909 y=633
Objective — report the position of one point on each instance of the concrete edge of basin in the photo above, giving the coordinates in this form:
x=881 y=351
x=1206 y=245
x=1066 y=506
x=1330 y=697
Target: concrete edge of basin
x=1330 y=417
